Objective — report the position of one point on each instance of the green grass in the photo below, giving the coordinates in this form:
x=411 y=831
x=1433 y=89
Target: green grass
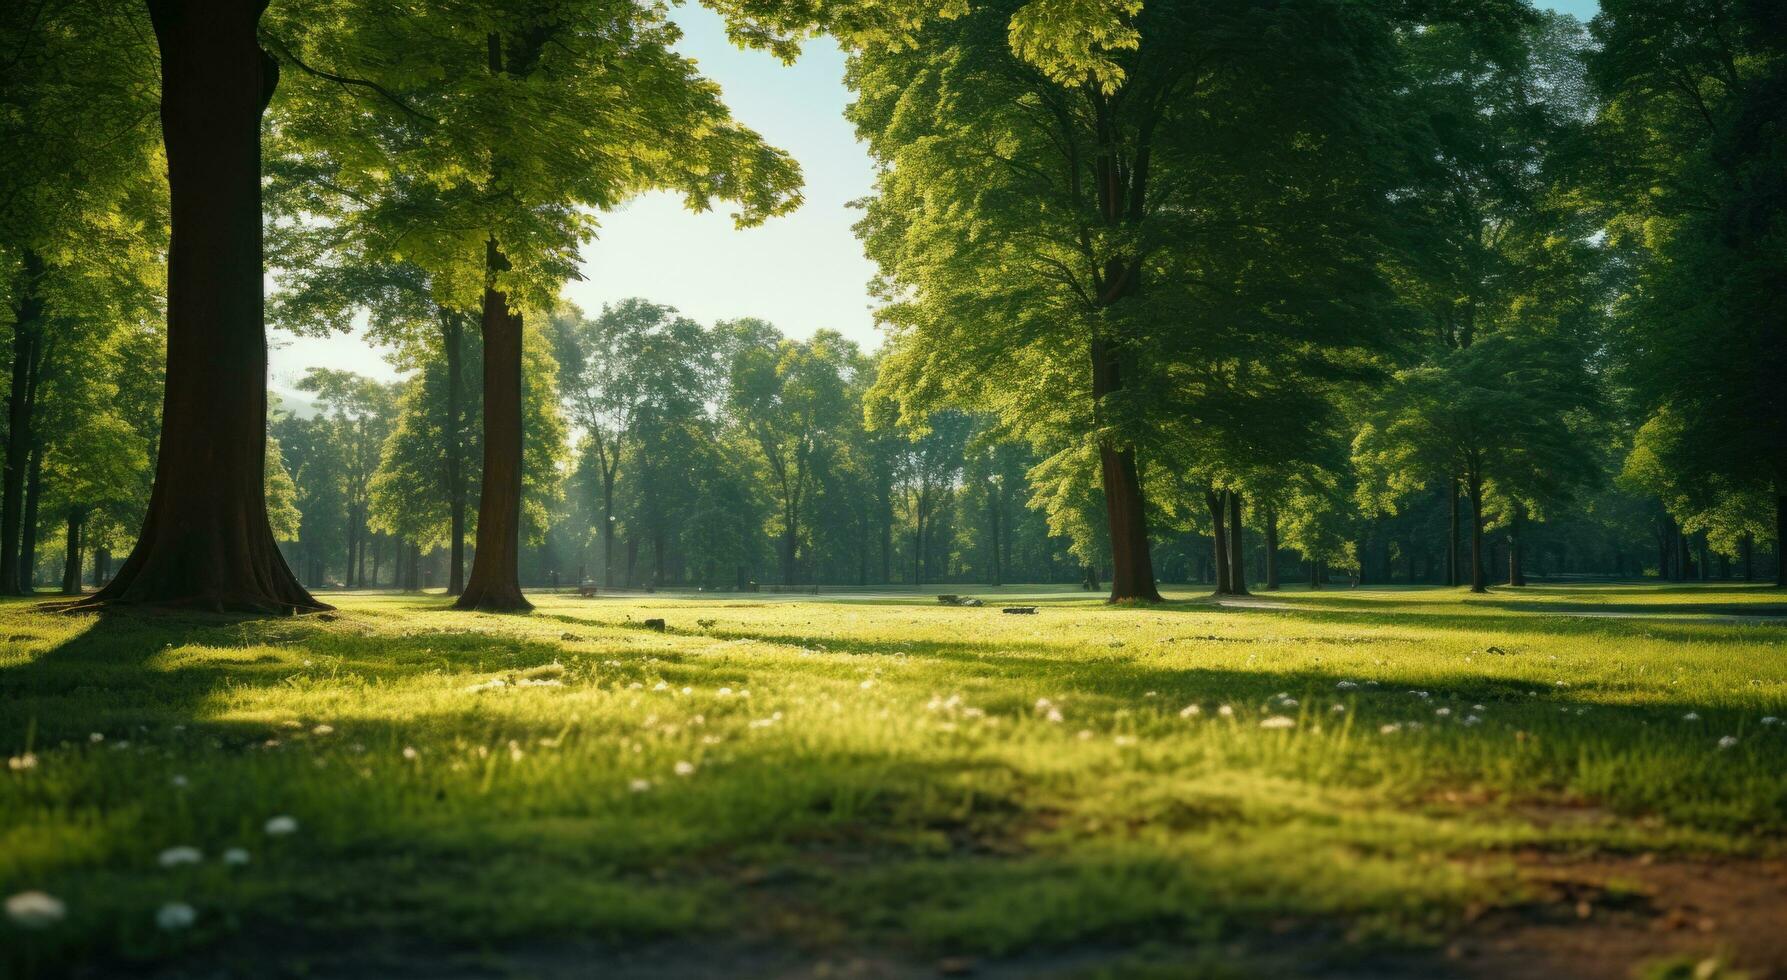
x=889 y=781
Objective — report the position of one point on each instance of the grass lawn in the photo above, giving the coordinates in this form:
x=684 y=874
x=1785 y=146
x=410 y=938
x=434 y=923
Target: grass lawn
x=1359 y=783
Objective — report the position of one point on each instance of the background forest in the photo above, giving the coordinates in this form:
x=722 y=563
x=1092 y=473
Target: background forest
x=1464 y=296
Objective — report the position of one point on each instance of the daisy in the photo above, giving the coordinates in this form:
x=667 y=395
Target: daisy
x=35 y=910
x=175 y=916
x=173 y=857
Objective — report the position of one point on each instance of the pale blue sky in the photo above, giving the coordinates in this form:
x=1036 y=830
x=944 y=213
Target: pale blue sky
x=803 y=272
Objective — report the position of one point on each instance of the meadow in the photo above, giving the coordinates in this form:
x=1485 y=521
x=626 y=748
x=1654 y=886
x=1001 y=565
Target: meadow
x=1335 y=783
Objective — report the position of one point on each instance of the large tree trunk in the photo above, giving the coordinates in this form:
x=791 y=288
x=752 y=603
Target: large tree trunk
x=1219 y=542
x=1747 y=550
x=71 y=561
x=28 y=535
x=102 y=565
x=26 y=342
x=1478 y=582
x=453 y=337
x=1126 y=511
x=205 y=542
x=1237 y=546
x=1271 y=549
x=495 y=584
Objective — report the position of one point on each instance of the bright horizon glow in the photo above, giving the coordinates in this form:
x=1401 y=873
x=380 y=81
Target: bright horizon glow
x=803 y=272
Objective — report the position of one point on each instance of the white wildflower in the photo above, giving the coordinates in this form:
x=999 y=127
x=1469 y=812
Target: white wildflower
x=1054 y=716
x=281 y=826
x=1152 y=694
x=724 y=692
x=1691 y=716
x=1190 y=711
x=1084 y=735
x=323 y=730
x=173 y=857
x=639 y=785
x=1470 y=720
x=1442 y=712
x=1390 y=729
x=688 y=690
x=1278 y=721
x=660 y=686
x=684 y=768
x=35 y=910
x=235 y=856
x=410 y=752
x=22 y=762
x=179 y=781
x=1729 y=741
x=1043 y=705
x=1339 y=709
x=1345 y=685
x=175 y=916
x=1226 y=711
x=1771 y=720
x=96 y=737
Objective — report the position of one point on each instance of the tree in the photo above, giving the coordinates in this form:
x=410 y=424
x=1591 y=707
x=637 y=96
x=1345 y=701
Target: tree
x=1693 y=186
x=81 y=217
x=510 y=120
x=790 y=397
x=1505 y=414
x=206 y=541
x=359 y=413
x=637 y=359
x=1074 y=253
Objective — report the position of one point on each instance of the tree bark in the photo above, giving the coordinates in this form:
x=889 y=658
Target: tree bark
x=205 y=542
x=494 y=584
x=28 y=533
x=1237 y=546
x=453 y=338
x=1747 y=549
x=1132 y=566
x=1271 y=549
x=1219 y=542
x=26 y=341
x=71 y=561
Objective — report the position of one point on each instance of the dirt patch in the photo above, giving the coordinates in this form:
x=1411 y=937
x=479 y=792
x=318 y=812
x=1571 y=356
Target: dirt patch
x=1604 y=917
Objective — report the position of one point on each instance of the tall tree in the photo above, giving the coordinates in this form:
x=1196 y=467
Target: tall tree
x=1057 y=246
x=1692 y=146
